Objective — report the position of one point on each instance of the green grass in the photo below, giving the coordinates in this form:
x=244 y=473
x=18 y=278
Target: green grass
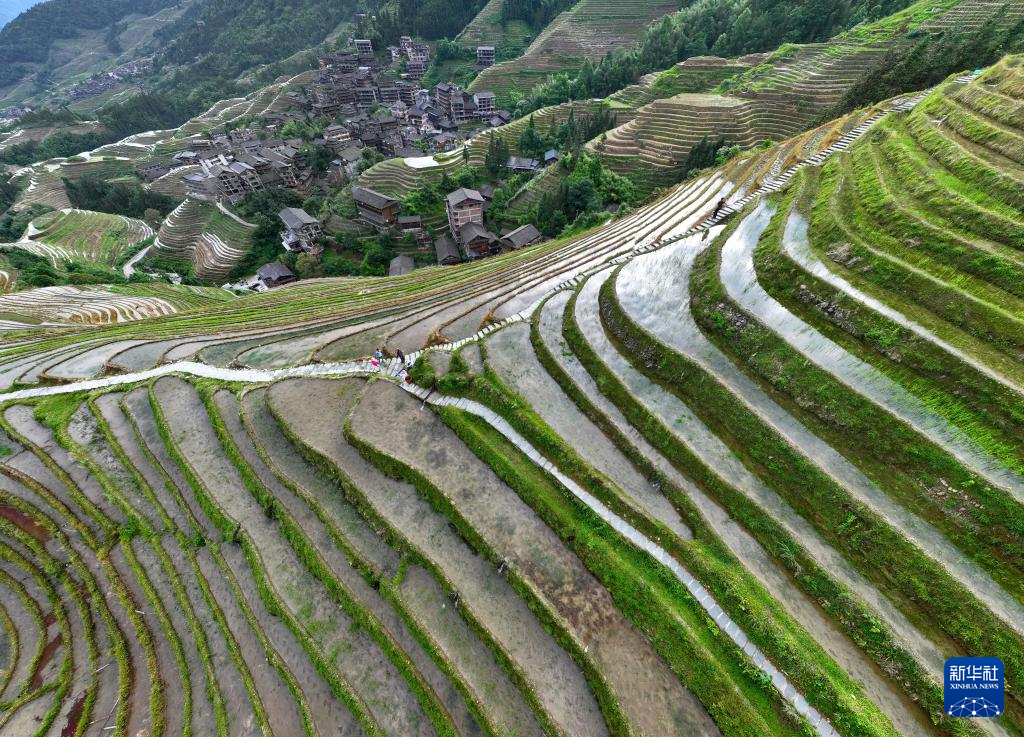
x=853 y=617
x=926 y=593
x=708 y=665
x=824 y=684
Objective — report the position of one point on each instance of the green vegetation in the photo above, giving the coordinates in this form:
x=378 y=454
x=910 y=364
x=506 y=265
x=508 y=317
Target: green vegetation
x=29 y=40
x=433 y=20
x=932 y=58
x=56 y=145
x=722 y=28
x=582 y=196
x=937 y=601
x=289 y=541
x=118 y=198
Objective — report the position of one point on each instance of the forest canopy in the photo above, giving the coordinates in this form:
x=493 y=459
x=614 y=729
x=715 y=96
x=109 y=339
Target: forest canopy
x=28 y=38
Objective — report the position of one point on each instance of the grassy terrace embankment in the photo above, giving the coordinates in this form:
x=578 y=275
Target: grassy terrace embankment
x=660 y=500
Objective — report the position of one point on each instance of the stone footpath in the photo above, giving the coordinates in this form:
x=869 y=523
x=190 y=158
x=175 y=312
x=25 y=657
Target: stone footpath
x=393 y=369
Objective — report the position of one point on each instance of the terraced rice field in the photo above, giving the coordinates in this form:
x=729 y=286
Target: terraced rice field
x=588 y=30
x=203 y=239
x=779 y=103
x=399 y=177
x=755 y=474
x=44 y=181
x=770 y=99
x=66 y=306
x=486 y=29
x=94 y=237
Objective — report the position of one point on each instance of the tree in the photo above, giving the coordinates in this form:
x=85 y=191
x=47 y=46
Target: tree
x=152 y=217
x=497 y=155
x=317 y=158
x=307 y=266
x=531 y=142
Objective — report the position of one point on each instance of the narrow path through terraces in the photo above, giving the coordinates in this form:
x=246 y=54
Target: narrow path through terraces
x=392 y=369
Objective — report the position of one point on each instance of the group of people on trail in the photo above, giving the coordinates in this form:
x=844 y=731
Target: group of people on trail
x=378 y=360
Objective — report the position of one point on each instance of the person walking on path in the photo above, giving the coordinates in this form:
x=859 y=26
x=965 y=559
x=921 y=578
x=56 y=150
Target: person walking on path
x=718 y=207
x=401 y=357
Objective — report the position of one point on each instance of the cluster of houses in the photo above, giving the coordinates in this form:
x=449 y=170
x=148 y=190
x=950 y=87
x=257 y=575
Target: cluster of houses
x=397 y=117
x=417 y=57
x=468 y=238
x=13 y=114
x=237 y=163
x=100 y=83
x=346 y=82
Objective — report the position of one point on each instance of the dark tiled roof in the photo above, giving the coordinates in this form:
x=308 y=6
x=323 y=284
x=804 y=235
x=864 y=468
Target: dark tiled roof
x=371 y=198
x=274 y=270
x=473 y=231
x=401 y=265
x=522 y=236
x=294 y=218
x=462 y=194
x=446 y=249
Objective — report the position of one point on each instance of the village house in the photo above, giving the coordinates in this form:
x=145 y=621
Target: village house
x=415 y=69
x=443 y=94
x=519 y=164
x=302 y=231
x=152 y=170
x=503 y=117
x=364 y=47
x=447 y=251
x=274 y=274
x=461 y=108
x=337 y=137
x=410 y=223
x=525 y=235
x=444 y=142
x=478 y=241
x=415 y=116
x=484 y=104
x=464 y=206
x=401 y=265
x=484 y=57
x=375 y=208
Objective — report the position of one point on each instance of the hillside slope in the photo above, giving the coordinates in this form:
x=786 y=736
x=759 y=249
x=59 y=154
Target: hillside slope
x=749 y=473
x=590 y=29
x=789 y=92
x=59 y=42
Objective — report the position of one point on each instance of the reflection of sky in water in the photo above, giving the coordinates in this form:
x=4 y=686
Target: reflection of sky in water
x=798 y=247
x=682 y=423
x=740 y=280
x=654 y=291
